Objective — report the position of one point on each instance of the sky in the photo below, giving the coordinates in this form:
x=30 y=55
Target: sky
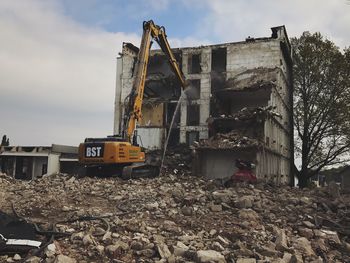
x=58 y=57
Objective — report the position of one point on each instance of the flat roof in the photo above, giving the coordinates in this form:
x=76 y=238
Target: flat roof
x=33 y=154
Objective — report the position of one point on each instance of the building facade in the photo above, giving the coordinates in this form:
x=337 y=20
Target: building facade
x=237 y=90
x=30 y=162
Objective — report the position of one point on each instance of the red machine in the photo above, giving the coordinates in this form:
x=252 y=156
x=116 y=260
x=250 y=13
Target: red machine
x=244 y=173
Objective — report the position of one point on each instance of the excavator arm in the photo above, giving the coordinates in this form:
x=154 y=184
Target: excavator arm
x=133 y=113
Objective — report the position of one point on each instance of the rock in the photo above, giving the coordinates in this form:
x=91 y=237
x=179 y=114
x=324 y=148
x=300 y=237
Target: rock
x=305 y=200
x=246 y=260
x=148 y=253
x=77 y=236
x=180 y=249
x=212 y=232
x=267 y=251
x=152 y=206
x=223 y=240
x=17 y=257
x=215 y=208
x=346 y=247
x=66 y=208
x=136 y=245
x=245 y=202
x=99 y=231
x=281 y=239
x=107 y=237
x=248 y=214
x=320 y=245
x=209 y=256
x=223 y=195
x=308 y=224
x=306 y=232
x=111 y=249
x=118 y=246
x=287 y=257
x=297 y=258
x=331 y=236
x=88 y=240
x=171 y=259
x=33 y=260
x=50 y=250
x=100 y=249
x=303 y=245
x=64 y=259
x=163 y=250
x=187 y=211
x=217 y=246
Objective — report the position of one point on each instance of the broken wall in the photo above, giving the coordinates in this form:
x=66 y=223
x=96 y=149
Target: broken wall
x=224 y=79
x=257 y=76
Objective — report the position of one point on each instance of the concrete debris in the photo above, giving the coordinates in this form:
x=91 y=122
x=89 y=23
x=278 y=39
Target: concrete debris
x=64 y=259
x=229 y=140
x=208 y=256
x=177 y=161
x=258 y=115
x=180 y=219
x=252 y=79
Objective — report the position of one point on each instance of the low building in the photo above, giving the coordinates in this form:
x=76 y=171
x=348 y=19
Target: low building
x=339 y=175
x=30 y=162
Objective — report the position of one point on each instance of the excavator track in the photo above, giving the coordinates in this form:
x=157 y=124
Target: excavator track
x=127 y=172
x=136 y=171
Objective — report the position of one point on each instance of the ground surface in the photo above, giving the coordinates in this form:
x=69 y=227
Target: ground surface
x=181 y=219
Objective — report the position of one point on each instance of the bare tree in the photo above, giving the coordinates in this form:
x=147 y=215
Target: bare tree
x=321 y=104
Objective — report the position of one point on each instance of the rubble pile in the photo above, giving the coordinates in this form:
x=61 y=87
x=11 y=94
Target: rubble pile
x=253 y=79
x=179 y=219
x=258 y=114
x=233 y=139
x=177 y=161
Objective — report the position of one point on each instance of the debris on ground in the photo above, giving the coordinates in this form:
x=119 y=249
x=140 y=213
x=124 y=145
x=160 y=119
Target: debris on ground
x=179 y=219
x=177 y=160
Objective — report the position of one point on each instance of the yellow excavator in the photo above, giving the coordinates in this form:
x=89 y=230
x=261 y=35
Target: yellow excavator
x=120 y=154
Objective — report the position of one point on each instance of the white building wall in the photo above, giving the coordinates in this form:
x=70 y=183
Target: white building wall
x=118 y=93
x=250 y=55
x=38 y=163
x=53 y=165
x=151 y=138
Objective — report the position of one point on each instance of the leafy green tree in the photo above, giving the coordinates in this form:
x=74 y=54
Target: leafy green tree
x=321 y=104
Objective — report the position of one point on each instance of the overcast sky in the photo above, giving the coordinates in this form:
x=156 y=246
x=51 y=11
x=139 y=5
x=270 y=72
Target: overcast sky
x=58 y=57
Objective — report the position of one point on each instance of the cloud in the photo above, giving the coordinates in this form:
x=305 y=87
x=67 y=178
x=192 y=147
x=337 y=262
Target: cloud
x=188 y=42
x=235 y=20
x=50 y=63
x=57 y=76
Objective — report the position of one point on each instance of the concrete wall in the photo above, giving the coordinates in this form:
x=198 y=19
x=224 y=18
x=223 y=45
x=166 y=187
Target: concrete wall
x=153 y=115
x=38 y=163
x=219 y=164
x=117 y=101
x=151 y=138
x=53 y=164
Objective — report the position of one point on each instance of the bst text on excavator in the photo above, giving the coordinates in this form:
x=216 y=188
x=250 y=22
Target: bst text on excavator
x=120 y=154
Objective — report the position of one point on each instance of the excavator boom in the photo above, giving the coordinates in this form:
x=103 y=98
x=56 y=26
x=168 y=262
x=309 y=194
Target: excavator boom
x=133 y=113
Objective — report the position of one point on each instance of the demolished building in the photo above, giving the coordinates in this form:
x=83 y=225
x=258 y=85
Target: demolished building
x=238 y=104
